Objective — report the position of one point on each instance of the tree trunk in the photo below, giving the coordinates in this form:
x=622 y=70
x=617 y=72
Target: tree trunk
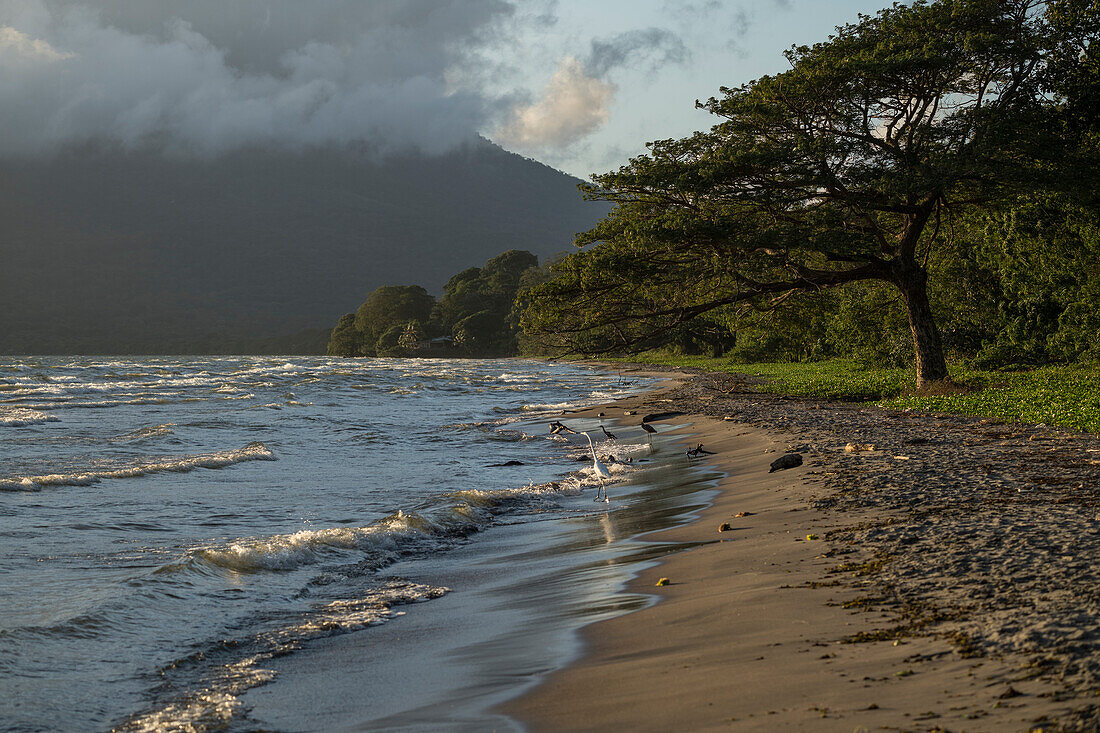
x=931 y=364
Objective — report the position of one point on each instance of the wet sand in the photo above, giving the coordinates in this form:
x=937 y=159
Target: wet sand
x=928 y=583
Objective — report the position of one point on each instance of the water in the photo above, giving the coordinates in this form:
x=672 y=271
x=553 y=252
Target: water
x=171 y=527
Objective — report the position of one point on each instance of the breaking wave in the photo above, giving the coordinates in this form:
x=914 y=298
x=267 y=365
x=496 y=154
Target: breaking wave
x=460 y=514
x=17 y=417
x=214 y=704
x=252 y=452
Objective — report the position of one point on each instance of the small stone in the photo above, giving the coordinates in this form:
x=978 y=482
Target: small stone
x=663 y=582
x=1009 y=693
x=858 y=447
x=791 y=460
x=724 y=527
x=744 y=514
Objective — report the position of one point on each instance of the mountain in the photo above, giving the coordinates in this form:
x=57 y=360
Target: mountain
x=148 y=253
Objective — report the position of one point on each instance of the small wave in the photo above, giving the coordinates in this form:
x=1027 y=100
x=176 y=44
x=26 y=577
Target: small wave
x=21 y=416
x=252 y=452
x=153 y=431
x=493 y=498
x=382 y=541
x=543 y=407
x=217 y=700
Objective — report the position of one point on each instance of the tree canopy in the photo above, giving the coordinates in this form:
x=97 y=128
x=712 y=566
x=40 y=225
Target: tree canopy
x=856 y=164
x=475 y=313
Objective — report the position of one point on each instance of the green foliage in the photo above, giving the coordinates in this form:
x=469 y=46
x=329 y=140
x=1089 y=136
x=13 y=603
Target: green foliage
x=1064 y=396
x=476 y=307
x=478 y=331
x=1054 y=395
x=476 y=310
x=345 y=338
x=856 y=166
x=391 y=305
x=389 y=341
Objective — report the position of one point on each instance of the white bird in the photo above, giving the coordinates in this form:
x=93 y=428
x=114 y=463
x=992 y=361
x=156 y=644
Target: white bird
x=599 y=469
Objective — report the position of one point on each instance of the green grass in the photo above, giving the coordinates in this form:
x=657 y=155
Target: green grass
x=1066 y=396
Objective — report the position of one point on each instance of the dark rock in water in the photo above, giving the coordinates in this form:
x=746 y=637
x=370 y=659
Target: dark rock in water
x=791 y=460
x=660 y=416
x=506 y=463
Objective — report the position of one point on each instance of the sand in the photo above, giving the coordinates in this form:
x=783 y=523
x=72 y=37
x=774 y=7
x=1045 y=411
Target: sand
x=946 y=579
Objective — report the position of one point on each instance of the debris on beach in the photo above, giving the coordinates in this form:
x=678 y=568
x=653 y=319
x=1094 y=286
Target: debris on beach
x=744 y=514
x=663 y=582
x=858 y=447
x=791 y=460
x=724 y=527
x=660 y=416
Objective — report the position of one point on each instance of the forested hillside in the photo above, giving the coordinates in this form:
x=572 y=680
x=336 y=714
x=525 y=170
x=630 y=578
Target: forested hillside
x=115 y=251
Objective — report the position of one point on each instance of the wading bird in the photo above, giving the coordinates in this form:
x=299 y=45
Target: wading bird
x=600 y=471
x=609 y=436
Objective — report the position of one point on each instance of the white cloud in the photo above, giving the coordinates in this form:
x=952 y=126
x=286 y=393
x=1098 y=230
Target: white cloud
x=573 y=105
x=207 y=77
x=19 y=48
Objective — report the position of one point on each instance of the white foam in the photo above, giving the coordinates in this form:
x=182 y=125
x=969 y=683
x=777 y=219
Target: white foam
x=382 y=541
x=215 y=704
x=251 y=452
x=541 y=407
x=153 y=431
x=17 y=417
x=492 y=497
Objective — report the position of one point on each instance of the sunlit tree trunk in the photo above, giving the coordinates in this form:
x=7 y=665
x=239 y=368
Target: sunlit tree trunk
x=927 y=344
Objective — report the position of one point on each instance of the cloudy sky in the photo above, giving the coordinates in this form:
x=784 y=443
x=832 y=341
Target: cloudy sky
x=578 y=85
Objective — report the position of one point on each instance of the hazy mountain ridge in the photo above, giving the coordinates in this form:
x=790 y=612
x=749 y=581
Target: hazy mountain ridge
x=144 y=253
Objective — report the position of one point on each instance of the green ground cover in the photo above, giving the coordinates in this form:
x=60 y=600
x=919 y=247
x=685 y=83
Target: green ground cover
x=1066 y=396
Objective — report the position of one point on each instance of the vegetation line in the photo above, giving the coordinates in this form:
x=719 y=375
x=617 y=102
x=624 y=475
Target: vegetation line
x=1062 y=396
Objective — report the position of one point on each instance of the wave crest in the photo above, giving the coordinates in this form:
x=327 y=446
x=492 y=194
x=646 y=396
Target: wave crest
x=254 y=451
x=18 y=417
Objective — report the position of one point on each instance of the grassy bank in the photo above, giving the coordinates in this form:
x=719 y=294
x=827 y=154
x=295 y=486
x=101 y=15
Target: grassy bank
x=1066 y=396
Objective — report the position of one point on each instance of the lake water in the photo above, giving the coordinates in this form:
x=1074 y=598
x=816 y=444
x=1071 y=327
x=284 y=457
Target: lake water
x=178 y=532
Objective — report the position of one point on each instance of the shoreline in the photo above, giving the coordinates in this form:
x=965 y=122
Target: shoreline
x=764 y=628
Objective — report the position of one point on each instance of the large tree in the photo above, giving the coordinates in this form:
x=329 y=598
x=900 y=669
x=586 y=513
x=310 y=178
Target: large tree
x=848 y=167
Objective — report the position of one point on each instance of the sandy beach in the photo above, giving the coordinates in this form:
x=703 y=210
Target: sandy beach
x=916 y=572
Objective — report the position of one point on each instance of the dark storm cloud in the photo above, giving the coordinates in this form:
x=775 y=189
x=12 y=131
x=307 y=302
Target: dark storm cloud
x=211 y=75
x=652 y=46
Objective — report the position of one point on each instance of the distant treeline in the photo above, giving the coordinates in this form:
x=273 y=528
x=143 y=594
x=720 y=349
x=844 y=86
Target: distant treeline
x=477 y=314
